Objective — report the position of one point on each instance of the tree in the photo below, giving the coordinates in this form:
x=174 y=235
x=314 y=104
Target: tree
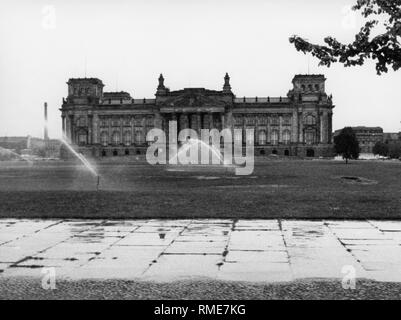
x=383 y=48
x=346 y=144
x=394 y=150
x=381 y=149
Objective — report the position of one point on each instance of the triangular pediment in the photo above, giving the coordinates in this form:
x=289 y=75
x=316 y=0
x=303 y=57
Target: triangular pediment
x=194 y=98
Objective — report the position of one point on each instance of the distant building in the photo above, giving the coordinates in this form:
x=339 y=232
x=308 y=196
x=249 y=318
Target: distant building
x=390 y=137
x=115 y=124
x=32 y=146
x=367 y=137
x=14 y=143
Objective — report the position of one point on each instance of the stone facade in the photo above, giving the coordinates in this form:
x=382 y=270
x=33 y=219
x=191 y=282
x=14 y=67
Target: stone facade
x=114 y=124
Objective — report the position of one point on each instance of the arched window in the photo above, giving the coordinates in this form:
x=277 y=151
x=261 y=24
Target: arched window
x=317 y=87
x=286 y=136
x=82 y=138
x=104 y=138
x=149 y=122
x=287 y=152
x=127 y=138
x=81 y=122
x=310 y=87
x=309 y=137
x=115 y=138
x=310 y=120
x=303 y=87
x=274 y=137
x=262 y=137
x=138 y=137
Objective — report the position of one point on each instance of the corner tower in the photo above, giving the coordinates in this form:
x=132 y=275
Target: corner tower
x=84 y=90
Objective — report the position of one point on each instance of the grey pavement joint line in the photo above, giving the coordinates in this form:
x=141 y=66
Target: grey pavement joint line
x=349 y=251
x=165 y=249
x=44 y=250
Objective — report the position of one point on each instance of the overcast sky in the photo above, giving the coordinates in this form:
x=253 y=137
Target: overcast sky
x=127 y=44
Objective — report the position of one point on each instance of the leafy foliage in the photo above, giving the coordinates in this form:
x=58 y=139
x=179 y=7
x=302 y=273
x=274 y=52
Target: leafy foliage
x=346 y=144
x=384 y=48
x=381 y=149
x=394 y=150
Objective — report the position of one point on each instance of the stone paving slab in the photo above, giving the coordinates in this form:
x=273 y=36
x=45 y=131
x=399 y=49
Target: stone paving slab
x=178 y=267
x=165 y=250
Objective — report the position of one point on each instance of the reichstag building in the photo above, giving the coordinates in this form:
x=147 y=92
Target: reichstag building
x=104 y=124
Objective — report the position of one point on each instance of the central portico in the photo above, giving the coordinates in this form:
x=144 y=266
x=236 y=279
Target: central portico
x=194 y=108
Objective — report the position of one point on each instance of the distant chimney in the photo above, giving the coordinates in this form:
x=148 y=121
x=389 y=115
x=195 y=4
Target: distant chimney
x=46 y=135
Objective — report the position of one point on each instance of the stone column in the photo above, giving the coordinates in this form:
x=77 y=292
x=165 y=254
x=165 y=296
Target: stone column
x=198 y=123
x=186 y=120
x=301 y=129
x=67 y=127
x=325 y=127
x=90 y=130
x=158 y=121
x=143 y=123
x=63 y=125
x=95 y=129
x=318 y=125
x=294 y=129
x=210 y=120
x=244 y=129
x=321 y=124
x=72 y=135
x=121 y=129
x=183 y=120
x=174 y=118
x=109 y=141
x=229 y=119
x=329 y=126
x=280 y=128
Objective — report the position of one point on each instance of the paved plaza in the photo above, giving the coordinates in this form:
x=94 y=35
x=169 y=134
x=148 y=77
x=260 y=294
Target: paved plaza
x=169 y=250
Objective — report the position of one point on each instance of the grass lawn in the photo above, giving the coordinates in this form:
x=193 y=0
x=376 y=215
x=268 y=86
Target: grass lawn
x=277 y=189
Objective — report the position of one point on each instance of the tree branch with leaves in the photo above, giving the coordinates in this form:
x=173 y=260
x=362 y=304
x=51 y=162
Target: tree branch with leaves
x=383 y=48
